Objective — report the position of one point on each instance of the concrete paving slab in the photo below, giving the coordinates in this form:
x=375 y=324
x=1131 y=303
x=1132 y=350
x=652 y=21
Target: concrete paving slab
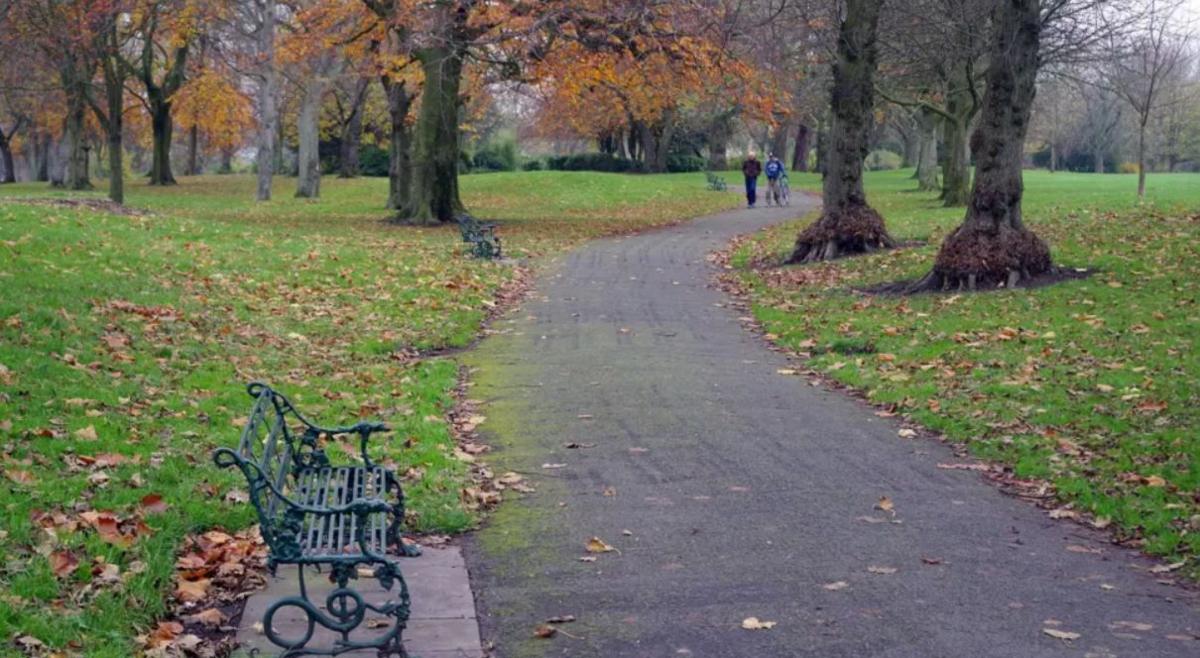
x=443 y=623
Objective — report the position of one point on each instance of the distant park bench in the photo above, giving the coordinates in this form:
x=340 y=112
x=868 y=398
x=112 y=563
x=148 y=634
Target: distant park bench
x=313 y=514
x=481 y=237
x=715 y=183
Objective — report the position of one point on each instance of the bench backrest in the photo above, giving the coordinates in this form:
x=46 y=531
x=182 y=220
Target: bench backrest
x=267 y=442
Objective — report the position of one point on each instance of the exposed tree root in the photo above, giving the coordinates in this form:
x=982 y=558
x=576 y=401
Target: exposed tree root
x=852 y=230
x=973 y=258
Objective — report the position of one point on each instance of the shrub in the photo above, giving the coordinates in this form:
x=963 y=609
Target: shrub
x=372 y=161
x=684 y=163
x=532 y=165
x=1128 y=168
x=496 y=156
x=883 y=161
x=593 y=162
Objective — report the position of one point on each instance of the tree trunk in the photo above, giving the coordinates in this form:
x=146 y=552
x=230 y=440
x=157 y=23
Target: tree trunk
x=956 y=174
x=193 y=168
x=114 y=96
x=308 y=174
x=7 y=168
x=76 y=173
x=400 y=143
x=433 y=197
x=226 y=166
x=800 y=153
x=848 y=225
x=1142 y=159
x=268 y=113
x=1053 y=158
x=351 y=136
x=41 y=158
x=162 y=127
x=927 y=158
x=992 y=247
x=719 y=133
x=1098 y=160
x=779 y=140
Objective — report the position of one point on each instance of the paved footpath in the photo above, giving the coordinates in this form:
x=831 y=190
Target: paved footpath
x=731 y=491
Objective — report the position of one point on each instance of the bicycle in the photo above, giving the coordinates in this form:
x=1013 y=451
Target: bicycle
x=779 y=193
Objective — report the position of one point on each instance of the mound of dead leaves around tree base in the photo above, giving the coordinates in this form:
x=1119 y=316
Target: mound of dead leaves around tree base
x=849 y=231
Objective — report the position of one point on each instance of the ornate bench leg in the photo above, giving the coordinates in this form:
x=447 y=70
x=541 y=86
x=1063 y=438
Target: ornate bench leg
x=344 y=612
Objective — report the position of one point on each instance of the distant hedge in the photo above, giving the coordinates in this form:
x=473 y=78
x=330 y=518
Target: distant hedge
x=610 y=163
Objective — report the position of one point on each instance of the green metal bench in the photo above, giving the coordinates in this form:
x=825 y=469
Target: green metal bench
x=481 y=237
x=316 y=515
x=715 y=182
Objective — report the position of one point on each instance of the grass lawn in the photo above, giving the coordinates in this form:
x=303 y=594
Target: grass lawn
x=125 y=343
x=1093 y=385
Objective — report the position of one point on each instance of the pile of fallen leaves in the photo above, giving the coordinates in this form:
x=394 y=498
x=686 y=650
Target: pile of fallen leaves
x=214 y=575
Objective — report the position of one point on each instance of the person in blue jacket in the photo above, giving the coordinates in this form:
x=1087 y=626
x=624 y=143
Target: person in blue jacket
x=775 y=173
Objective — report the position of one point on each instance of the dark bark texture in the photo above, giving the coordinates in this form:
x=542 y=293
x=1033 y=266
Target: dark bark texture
x=992 y=247
x=800 y=153
x=399 y=152
x=433 y=195
x=847 y=224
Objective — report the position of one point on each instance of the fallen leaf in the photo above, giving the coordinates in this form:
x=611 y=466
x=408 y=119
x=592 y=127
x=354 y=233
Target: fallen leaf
x=1167 y=568
x=192 y=590
x=1130 y=626
x=154 y=504
x=544 y=631
x=561 y=619
x=553 y=466
x=786 y=371
x=63 y=563
x=907 y=433
x=597 y=545
x=881 y=570
x=87 y=434
x=208 y=617
x=833 y=587
x=931 y=560
x=1062 y=635
x=886 y=505
x=754 y=624
x=1155 y=481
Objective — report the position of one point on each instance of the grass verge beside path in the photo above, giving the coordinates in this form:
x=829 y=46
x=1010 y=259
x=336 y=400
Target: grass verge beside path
x=1093 y=385
x=125 y=343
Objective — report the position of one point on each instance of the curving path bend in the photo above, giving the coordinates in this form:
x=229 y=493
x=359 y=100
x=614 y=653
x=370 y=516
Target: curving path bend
x=731 y=491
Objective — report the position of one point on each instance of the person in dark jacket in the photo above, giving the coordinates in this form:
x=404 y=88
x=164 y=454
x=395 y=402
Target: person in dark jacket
x=751 y=169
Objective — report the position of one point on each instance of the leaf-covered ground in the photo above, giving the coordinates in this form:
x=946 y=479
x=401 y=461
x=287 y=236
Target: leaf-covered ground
x=126 y=340
x=1093 y=385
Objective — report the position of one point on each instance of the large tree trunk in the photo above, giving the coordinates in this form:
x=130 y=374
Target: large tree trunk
x=268 y=112
x=956 y=175
x=400 y=143
x=992 y=247
x=226 y=166
x=351 y=136
x=162 y=127
x=114 y=97
x=1053 y=157
x=75 y=176
x=800 y=153
x=308 y=128
x=927 y=158
x=848 y=225
x=433 y=197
